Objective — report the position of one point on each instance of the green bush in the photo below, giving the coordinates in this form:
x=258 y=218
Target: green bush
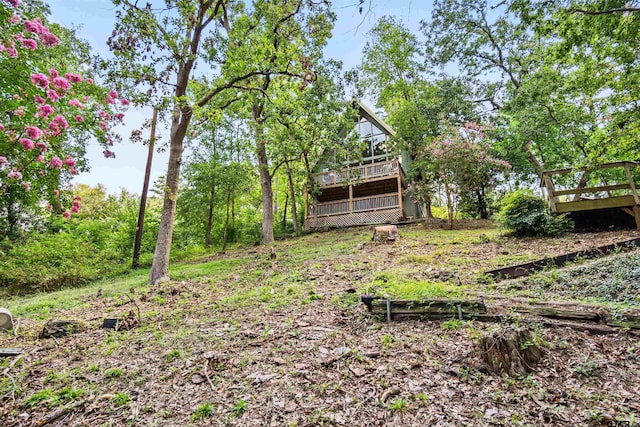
x=52 y=261
x=526 y=214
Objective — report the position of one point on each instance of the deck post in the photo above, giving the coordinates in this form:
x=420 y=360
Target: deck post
x=350 y=198
x=632 y=185
x=636 y=215
x=400 y=204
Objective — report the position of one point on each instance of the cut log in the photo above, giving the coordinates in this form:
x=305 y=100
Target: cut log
x=622 y=321
x=510 y=351
x=385 y=233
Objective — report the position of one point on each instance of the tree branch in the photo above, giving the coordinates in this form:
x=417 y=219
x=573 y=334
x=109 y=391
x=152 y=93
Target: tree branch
x=605 y=12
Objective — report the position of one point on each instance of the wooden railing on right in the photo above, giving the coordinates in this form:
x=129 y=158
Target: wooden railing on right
x=623 y=195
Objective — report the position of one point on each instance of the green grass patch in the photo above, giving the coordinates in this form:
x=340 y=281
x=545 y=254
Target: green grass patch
x=401 y=288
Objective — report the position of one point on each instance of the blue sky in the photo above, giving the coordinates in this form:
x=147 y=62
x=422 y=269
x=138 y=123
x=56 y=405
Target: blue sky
x=96 y=18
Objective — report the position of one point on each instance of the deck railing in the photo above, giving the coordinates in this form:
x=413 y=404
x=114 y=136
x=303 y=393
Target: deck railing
x=359 y=173
x=360 y=204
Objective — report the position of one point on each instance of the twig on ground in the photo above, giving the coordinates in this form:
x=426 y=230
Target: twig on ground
x=206 y=374
x=137 y=307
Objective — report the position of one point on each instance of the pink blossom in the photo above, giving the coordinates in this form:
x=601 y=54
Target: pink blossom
x=29 y=44
x=74 y=209
x=15 y=18
x=53 y=95
x=61 y=83
x=109 y=100
x=27 y=144
x=67 y=215
x=124 y=101
x=54 y=128
x=39 y=100
x=69 y=161
x=19 y=112
x=103 y=125
x=1 y=127
x=26 y=185
x=85 y=98
x=73 y=171
x=12 y=52
x=49 y=39
x=33 y=26
x=61 y=121
x=44 y=110
x=103 y=114
x=49 y=207
x=118 y=116
x=75 y=103
x=73 y=78
x=89 y=80
x=40 y=80
x=56 y=192
x=54 y=73
x=55 y=163
x=79 y=118
x=33 y=132
x=14 y=3
x=14 y=174
x=3 y=161
x=109 y=153
x=113 y=94
x=41 y=146
x=40 y=158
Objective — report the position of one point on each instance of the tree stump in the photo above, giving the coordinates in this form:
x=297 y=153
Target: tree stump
x=510 y=351
x=385 y=233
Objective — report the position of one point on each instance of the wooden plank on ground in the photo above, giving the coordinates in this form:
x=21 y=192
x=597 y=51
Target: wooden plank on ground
x=528 y=268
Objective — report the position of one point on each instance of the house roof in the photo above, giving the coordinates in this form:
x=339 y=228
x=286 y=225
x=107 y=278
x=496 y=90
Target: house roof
x=365 y=112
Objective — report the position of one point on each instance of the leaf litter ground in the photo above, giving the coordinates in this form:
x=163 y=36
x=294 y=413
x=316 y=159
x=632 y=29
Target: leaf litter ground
x=243 y=339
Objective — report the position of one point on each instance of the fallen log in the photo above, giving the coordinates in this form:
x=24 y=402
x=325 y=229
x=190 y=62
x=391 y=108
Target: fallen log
x=563 y=314
x=528 y=268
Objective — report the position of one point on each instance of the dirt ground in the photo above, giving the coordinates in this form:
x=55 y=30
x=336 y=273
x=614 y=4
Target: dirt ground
x=281 y=343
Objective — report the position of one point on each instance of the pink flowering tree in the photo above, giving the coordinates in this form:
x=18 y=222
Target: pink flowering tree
x=49 y=110
x=459 y=164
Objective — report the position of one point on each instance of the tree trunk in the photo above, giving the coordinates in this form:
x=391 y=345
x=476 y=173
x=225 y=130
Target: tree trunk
x=427 y=208
x=284 y=214
x=265 y=177
x=294 y=208
x=482 y=203
x=226 y=221
x=179 y=125
x=533 y=159
x=212 y=194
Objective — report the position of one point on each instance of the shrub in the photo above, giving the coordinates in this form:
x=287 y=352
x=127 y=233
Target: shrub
x=526 y=214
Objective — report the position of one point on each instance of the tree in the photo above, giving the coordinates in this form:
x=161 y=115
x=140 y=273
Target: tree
x=48 y=112
x=161 y=48
x=393 y=71
x=460 y=163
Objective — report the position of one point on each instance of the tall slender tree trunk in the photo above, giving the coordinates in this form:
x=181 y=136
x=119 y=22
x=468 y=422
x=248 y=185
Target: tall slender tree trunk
x=284 y=214
x=294 y=209
x=179 y=125
x=226 y=220
x=212 y=195
x=265 y=177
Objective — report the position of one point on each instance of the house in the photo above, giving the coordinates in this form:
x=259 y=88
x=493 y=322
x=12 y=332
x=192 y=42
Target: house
x=370 y=191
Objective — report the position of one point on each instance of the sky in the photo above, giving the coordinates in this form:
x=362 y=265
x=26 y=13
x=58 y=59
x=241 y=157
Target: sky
x=95 y=19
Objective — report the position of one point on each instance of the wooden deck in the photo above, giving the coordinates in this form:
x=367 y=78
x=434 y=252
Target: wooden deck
x=622 y=195
x=359 y=173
